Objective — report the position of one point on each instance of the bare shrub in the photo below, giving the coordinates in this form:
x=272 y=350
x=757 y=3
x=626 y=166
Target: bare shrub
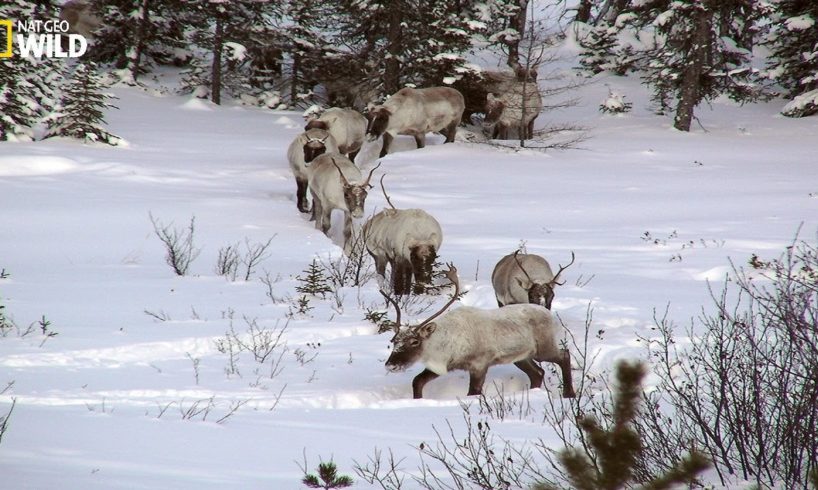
x=227 y=264
x=353 y=267
x=179 y=249
x=4 y=420
x=745 y=390
x=476 y=459
x=266 y=344
x=256 y=253
x=387 y=474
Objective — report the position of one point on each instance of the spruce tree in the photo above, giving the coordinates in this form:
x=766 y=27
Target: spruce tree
x=406 y=42
x=704 y=51
x=794 y=57
x=27 y=85
x=79 y=112
x=315 y=282
x=135 y=34
x=227 y=34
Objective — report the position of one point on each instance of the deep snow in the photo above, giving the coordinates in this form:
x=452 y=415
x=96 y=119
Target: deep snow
x=651 y=213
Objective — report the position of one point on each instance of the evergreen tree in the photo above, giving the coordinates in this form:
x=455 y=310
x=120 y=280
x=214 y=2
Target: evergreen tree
x=417 y=42
x=327 y=477
x=134 y=34
x=79 y=112
x=703 y=51
x=303 y=38
x=314 y=282
x=794 y=57
x=27 y=85
x=227 y=34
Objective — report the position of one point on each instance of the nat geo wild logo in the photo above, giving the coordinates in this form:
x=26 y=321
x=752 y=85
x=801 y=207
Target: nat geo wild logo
x=40 y=38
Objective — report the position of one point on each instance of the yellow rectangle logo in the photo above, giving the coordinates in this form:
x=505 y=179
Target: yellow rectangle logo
x=8 y=51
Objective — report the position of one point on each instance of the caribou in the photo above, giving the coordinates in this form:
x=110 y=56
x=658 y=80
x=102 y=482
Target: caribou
x=302 y=151
x=347 y=126
x=416 y=112
x=472 y=340
x=81 y=17
x=525 y=278
x=336 y=183
x=407 y=240
x=516 y=107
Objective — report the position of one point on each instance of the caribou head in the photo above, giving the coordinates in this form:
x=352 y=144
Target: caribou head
x=354 y=193
x=377 y=121
x=314 y=147
x=494 y=109
x=407 y=343
x=540 y=293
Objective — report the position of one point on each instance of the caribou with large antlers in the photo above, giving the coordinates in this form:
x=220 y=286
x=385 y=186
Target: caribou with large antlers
x=336 y=183
x=525 y=278
x=473 y=340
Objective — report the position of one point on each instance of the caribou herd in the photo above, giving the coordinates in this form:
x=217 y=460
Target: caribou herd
x=522 y=331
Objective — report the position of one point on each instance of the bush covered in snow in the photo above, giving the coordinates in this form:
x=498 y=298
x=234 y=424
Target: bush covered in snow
x=615 y=103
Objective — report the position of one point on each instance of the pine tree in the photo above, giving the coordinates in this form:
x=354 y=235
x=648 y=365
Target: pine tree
x=134 y=34
x=602 y=49
x=703 y=51
x=618 y=449
x=79 y=112
x=16 y=114
x=406 y=42
x=225 y=32
x=27 y=85
x=315 y=282
x=327 y=477
x=794 y=57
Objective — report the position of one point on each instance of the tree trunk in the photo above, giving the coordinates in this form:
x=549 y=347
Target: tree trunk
x=216 y=69
x=296 y=67
x=141 y=33
x=391 y=76
x=583 y=11
x=518 y=24
x=612 y=10
x=690 y=90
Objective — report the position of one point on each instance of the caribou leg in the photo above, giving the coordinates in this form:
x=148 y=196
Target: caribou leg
x=401 y=276
x=301 y=195
x=563 y=360
x=451 y=131
x=420 y=140
x=534 y=372
x=476 y=380
x=387 y=141
x=420 y=381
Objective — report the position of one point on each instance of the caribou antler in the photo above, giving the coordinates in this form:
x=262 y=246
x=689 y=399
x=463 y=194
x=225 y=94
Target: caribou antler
x=531 y=281
x=451 y=275
x=385 y=194
x=366 y=183
x=390 y=299
x=343 y=178
x=557 y=275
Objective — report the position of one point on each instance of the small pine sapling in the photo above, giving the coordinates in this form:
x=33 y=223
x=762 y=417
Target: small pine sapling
x=315 y=282
x=327 y=477
x=79 y=111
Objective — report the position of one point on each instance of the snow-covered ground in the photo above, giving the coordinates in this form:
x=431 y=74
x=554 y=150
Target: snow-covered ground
x=130 y=391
